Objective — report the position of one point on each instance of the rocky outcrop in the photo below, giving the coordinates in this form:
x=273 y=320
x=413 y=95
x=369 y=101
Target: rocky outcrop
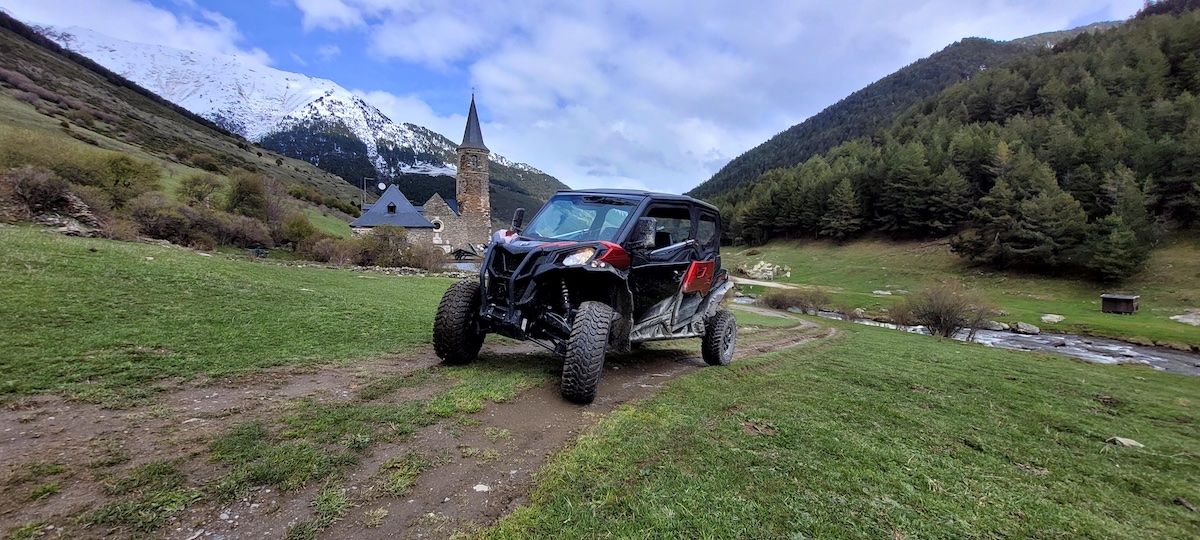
x=75 y=218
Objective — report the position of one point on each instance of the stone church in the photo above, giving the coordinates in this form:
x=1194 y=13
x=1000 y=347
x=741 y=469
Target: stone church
x=461 y=224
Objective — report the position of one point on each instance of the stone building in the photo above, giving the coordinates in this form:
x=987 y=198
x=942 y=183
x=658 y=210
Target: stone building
x=462 y=223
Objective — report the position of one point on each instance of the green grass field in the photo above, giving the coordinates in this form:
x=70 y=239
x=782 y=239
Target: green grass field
x=98 y=316
x=1169 y=285
x=327 y=224
x=879 y=434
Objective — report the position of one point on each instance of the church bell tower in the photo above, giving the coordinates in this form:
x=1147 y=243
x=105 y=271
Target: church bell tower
x=471 y=181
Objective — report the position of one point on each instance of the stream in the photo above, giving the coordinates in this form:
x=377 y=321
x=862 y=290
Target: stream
x=1086 y=348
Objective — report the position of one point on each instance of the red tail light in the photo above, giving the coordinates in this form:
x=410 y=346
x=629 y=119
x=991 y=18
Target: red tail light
x=615 y=255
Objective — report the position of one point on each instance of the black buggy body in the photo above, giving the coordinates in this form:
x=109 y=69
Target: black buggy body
x=594 y=271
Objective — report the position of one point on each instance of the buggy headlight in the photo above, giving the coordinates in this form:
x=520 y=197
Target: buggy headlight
x=579 y=257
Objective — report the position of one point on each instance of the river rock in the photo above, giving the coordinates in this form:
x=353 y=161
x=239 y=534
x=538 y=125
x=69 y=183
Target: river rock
x=1051 y=318
x=1123 y=442
x=859 y=313
x=995 y=326
x=1026 y=328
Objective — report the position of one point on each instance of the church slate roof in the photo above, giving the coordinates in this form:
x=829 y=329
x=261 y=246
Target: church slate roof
x=473 y=135
x=404 y=214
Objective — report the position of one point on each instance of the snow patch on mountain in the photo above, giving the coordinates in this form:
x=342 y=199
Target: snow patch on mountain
x=255 y=101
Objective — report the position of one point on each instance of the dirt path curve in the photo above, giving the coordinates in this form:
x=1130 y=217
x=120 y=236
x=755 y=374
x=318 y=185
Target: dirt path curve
x=484 y=461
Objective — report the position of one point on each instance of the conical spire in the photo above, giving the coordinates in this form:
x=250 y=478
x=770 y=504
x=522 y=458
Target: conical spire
x=473 y=136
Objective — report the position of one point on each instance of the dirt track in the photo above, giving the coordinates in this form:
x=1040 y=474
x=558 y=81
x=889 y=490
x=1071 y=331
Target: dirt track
x=499 y=447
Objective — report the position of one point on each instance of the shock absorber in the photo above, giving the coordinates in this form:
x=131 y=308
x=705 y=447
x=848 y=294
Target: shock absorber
x=566 y=298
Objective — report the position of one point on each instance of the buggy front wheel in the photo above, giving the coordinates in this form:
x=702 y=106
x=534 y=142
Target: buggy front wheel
x=586 y=347
x=456 y=334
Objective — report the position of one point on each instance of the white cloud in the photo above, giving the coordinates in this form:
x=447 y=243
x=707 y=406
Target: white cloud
x=329 y=14
x=414 y=110
x=664 y=93
x=133 y=20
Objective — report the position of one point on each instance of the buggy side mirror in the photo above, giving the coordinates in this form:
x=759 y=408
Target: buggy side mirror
x=518 y=219
x=642 y=236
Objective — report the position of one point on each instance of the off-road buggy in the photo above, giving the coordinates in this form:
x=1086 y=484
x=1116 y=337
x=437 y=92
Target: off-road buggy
x=595 y=271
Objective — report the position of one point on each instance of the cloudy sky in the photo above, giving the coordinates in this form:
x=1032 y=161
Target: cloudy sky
x=639 y=93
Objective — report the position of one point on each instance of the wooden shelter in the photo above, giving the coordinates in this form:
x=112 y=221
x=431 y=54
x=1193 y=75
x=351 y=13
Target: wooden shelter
x=1119 y=303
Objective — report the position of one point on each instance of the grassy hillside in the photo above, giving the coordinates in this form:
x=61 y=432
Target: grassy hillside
x=1169 y=285
x=47 y=90
x=879 y=434
x=101 y=318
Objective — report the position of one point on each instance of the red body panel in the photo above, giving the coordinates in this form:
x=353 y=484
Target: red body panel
x=615 y=255
x=699 y=277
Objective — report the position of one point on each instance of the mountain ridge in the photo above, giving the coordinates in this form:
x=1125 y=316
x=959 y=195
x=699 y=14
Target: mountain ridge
x=872 y=107
x=304 y=117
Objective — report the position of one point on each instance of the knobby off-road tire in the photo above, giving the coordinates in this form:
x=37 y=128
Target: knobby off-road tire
x=720 y=339
x=456 y=334
x=586 y=347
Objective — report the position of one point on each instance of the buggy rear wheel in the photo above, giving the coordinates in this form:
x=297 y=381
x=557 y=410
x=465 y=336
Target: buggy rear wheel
x=456 y=334
x=586 y=348
x=720 y=339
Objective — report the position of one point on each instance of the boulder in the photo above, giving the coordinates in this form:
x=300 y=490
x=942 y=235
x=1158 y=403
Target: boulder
x=1026 y=328
x=763 y=270
x=1051 y=318
x=882 y=293
x=995 y=326
x=859 y=313
x=1192 y=317
x=1123 y=442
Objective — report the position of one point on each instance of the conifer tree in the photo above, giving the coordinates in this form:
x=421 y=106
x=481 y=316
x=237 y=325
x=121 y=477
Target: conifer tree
x=947 y=202
x=844 y=218
x=1115 y=252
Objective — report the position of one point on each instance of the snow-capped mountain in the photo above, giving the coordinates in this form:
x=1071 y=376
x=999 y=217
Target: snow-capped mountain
x=288 y=112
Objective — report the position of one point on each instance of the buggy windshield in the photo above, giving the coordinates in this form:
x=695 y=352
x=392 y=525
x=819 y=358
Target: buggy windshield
x=582 y=218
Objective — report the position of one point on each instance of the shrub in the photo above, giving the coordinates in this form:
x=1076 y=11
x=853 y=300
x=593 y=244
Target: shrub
x=82 y=117
x=199 y=189
x=121 y=229
x=340 y=251
x=97 y=200
x=27 y=97
x=159 y=217
x=35 y=189
x=247 y=196
x=121 y=176
x=296 y=228
x=385 y=246
x=235 y=230
x=806 y=300
x=204 y=161
x=945 y=309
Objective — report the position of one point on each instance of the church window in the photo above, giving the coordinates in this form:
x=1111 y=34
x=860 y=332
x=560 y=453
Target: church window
x=437 y=224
